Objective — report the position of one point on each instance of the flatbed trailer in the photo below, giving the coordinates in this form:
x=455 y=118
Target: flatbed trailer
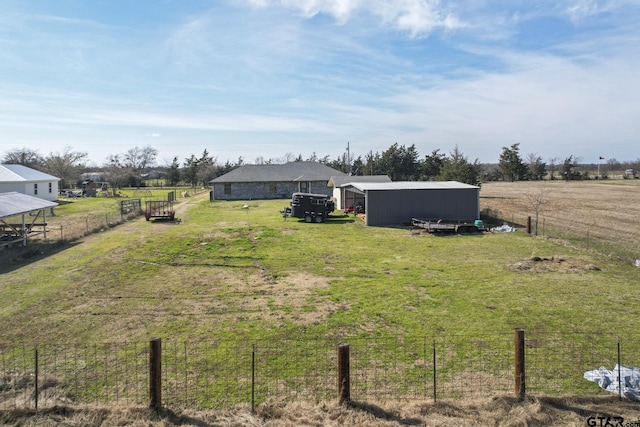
x=448 y=226
x=162 y=209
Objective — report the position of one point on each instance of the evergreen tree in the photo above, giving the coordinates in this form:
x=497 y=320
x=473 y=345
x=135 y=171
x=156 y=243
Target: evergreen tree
x=456 y=167
x=190 y=171
x=173 y=173
x=432 y=165
x=511 y=166
x=372 y=165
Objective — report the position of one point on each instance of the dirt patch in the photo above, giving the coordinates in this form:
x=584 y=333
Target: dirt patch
x=553 y=264
x=292 y=298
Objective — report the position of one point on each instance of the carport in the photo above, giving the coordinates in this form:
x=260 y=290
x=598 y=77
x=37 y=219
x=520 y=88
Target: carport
x=396 y=203
x=14 y=208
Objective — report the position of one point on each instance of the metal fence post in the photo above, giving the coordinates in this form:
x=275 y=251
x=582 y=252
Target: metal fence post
x=519 y=363
x=619 y=376
x=253 y=379
x=434 y=371
x=35 y=393
x=344 y=382
x=155 y=373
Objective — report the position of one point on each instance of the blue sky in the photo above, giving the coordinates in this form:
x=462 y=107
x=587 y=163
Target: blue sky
x=278 y=78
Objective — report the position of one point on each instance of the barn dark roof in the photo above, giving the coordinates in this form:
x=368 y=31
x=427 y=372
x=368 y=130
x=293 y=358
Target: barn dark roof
x=14 y=203
x=411 y=185
x=289 y=172
x=342 y=180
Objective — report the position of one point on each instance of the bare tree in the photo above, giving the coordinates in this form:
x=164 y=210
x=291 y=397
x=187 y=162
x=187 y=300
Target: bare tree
x=118 y=174
x=23 y=156
x=67 y=165
x=537 y=169
x=138 y=159
x=538 y=201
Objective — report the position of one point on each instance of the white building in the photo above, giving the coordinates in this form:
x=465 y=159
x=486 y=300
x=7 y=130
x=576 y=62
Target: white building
x=339 y=183
x=28 y=181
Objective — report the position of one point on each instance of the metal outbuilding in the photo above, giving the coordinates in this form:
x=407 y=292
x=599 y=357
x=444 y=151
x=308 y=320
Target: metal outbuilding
x=339 y=183
x=17 y=205
x=396 y=203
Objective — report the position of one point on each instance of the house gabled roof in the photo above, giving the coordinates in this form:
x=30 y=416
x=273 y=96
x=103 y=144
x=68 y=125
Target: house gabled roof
x=343 y=180
x=20 y=173
x=288 y=172
x=14 y=203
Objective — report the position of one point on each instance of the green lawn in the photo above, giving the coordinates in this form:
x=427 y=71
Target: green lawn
x=248 y=273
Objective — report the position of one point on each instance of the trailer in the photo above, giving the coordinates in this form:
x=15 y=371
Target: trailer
x=311 y=207
x=161 y=209
x=448 y=226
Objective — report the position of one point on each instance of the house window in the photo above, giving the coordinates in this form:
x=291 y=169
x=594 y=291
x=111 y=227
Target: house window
x=50 y=188
x=35 y=188
x=304 y=187
x=272 y=187
x=227 y=188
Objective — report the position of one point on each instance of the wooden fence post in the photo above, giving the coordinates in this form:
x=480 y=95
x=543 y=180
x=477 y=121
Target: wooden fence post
x=155 y=373
x=519 y=362
x=528 y=231
x=344 y=382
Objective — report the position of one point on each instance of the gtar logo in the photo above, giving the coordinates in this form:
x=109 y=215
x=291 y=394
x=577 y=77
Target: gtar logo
x=602 y=421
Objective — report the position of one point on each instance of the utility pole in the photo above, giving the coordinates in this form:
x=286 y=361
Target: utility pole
x=349 y=158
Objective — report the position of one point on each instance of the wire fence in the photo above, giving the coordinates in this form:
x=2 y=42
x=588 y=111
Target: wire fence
x=610 y=237
x=213 y=374
x=88 y=224
x=68 y=230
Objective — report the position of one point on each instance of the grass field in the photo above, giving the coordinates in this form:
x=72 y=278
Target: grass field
x=244 y=275
x=248 y=273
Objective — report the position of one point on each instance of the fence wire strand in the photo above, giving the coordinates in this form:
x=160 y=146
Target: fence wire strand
x=215 y=374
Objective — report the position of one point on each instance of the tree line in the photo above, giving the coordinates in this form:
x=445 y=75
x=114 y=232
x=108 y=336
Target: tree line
x=401 y=163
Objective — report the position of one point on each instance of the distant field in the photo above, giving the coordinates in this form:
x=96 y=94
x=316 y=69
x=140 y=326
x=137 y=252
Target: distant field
x=597 y=215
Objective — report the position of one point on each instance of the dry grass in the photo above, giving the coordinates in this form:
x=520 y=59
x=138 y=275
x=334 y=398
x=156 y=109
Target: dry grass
x=599 y=215
x=503 y=411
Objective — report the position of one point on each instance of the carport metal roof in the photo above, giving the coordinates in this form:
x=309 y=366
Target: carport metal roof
x=13 y=203
x=16 y=204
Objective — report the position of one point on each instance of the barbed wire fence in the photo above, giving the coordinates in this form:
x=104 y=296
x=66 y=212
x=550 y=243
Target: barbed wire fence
x=215 y=374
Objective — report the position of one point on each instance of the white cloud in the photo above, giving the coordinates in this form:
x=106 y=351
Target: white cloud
x=415 y=17
x=341 y=10
x=581 y=9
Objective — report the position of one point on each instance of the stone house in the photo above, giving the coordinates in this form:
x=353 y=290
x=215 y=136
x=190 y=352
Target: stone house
x=278 y=181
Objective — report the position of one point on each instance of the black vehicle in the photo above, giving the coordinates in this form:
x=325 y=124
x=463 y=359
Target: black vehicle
x=311 y=207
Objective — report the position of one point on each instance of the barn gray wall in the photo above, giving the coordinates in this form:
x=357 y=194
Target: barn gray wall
x=397 y=207
x=260 y=190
